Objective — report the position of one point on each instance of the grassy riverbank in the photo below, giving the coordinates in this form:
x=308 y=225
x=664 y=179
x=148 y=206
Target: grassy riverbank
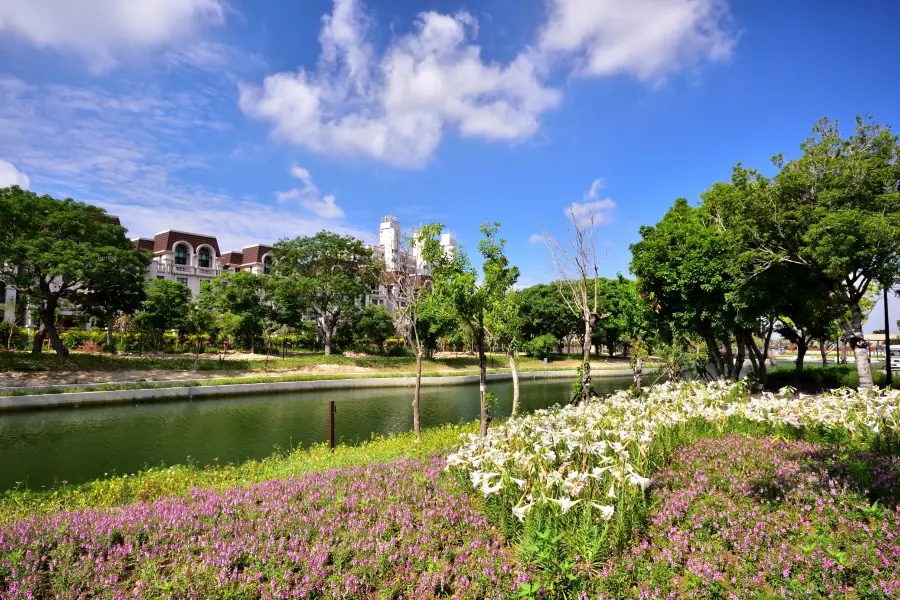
x=159 y=482
x=20 y=369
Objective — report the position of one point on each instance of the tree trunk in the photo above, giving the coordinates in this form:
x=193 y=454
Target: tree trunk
x=268 y=349
x=197 y=351
x=737 y=363
x=482 y=374
x=48 y=330
x=824 y=353
x=586 y=360
x=37 y=343
x=110 y=325
x=515 y=379
x=326 y=333
x=417 y=388
x=638 y=372
x=863 y=368
x=802 y=347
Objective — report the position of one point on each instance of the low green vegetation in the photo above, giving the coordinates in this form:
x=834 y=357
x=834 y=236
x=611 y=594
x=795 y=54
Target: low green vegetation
x=816 y=378
x=157 y=482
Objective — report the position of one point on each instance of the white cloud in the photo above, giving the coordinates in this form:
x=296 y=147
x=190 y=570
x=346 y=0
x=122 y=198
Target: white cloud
x=593 y=210
x=132 y=154
x=536 y=238
x=101 y=30
x=646 y=39
x=10 y=176
x=396 y=108
x=309 y=196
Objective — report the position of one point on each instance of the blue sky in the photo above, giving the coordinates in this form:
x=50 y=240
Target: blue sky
x=258 y=120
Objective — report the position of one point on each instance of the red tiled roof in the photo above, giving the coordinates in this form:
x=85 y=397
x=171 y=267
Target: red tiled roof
x=142 y=244
x=166 y=240
x=233 y=258
x=254 y=254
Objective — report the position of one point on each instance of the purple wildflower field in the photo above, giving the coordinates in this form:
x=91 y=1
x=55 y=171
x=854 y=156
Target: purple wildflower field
x=396 y=530
x=743 y=517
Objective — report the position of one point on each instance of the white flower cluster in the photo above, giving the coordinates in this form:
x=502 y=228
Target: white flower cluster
x=598 y=452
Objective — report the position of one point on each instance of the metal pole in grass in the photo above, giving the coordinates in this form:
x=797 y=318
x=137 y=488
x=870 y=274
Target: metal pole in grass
x=887 y=339
x=331 y=424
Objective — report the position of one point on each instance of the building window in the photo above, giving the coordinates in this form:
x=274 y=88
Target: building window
x=182 y=280
x=181 y=254
x=203 y=258
x=160 y=277
x=267 y=264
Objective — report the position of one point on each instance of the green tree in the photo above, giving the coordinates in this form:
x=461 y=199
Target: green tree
x=456 y=283
x=834 y=211
x=504 y=322
x=683 y=267
x=374 y=326
x=117 y=289
x=243 y=294
x=544 y=313
x=54 y=248
x=331 y=274
x=166 y=307
x=414 y=306
x=637 y=323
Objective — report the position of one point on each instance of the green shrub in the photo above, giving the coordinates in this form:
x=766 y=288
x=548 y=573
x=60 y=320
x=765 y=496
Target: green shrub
x=815 y=378
x=19 y=336
x=541 y=346
x=75 y=338
x=398 y=351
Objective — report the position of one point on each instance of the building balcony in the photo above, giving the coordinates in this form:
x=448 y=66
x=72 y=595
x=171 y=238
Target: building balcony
x=168 y=268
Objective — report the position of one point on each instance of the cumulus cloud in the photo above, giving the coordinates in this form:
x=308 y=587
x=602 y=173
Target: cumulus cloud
x=397 y=107
x=10 y=176
x=536 y=238
x=310 y=197
x=102 y=29
x=646 y=39
x=593 y=210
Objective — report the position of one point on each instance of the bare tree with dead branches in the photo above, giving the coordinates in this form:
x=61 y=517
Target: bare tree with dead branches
x=577 y=264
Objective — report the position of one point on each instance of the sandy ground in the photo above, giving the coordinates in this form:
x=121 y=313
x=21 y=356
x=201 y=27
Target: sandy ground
x=18 y=379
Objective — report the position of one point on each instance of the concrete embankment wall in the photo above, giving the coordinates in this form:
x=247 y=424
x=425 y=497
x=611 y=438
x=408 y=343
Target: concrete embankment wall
x=51 y=400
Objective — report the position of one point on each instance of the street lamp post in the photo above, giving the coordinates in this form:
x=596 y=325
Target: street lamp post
x=887 y=338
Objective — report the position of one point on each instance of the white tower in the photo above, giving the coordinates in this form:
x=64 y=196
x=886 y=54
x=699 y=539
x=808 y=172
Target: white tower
x=389 y=240
x=448 y=243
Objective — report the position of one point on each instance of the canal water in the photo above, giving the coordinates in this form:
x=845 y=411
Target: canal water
x=79 y=444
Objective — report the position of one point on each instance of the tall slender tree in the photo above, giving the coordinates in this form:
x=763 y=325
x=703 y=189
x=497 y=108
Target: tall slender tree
x=578 y=265
x=456 y=282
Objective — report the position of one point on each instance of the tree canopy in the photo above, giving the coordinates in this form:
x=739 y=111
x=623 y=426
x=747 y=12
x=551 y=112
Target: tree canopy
x=59 y=250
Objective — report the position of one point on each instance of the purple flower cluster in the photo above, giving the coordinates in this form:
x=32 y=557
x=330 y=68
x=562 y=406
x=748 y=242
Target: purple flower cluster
x=743 y=517
x=396 y=530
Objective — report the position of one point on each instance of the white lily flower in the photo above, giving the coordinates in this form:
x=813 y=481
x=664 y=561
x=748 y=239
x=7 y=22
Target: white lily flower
x=519 y=511
x=606 y=512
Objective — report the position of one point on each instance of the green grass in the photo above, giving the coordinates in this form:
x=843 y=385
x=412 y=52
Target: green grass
x=159 y=482
x=816 y=378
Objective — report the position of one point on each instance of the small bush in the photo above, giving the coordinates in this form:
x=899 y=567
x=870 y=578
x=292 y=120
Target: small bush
x=90 y=347
x=541 y=346
x=19 y=336
x=398 y=351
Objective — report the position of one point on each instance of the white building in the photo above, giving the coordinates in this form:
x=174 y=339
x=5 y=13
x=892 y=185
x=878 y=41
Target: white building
x=192 y=258
x=397 y=258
